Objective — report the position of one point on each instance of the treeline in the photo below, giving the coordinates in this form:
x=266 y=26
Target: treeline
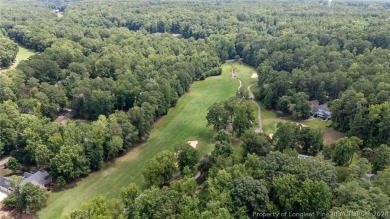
x=8 y=51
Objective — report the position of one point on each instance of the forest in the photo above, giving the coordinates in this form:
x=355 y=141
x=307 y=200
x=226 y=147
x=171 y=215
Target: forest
x=8 y=49
x=119 y=66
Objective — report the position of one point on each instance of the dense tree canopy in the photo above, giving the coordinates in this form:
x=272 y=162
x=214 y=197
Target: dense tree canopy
x=8 y=51
x=26 y=198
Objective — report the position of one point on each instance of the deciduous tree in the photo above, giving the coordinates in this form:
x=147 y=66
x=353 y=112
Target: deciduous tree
x=159 y=170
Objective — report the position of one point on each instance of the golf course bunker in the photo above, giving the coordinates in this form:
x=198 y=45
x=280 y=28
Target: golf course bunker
x=271 y=135
x=193 y=143
x=254 y=75
x=303 y=125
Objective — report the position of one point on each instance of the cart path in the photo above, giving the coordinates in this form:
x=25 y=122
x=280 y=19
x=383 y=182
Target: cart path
x=14 y=64
x=252 y=97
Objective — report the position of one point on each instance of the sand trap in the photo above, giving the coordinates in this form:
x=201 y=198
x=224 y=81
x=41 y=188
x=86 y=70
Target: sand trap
x=254 y=75
x=193 y=143
x=303 y=125
x=271 y=135
x=2 y=196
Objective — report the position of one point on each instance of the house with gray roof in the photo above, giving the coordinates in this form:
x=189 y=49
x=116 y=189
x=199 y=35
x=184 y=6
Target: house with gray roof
x=320 y=111
x=370 y=176
x=39 y=178
x=5 y=183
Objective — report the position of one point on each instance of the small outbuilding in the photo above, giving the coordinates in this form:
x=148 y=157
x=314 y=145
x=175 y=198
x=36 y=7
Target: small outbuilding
x=371 y=176
x=305 y=157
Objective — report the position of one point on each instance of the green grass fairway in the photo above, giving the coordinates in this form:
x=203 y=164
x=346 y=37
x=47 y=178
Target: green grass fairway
x=24 y=53
x=243 y=72
x=185 y=122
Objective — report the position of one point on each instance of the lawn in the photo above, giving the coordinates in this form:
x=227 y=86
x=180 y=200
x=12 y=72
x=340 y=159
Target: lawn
x=271 y=119
x=183 y=123
x=24 y=53
x=243 y=72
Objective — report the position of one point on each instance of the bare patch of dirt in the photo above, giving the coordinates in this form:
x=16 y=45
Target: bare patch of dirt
x=13 y=214
x=331 y=135
x=158 y=120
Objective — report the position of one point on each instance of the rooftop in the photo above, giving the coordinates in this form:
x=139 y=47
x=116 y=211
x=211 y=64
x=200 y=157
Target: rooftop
x=301 y=156
x=39 y=178
x=315 y=105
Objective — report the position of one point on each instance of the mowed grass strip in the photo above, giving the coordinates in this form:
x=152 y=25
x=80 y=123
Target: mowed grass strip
x=185 y=122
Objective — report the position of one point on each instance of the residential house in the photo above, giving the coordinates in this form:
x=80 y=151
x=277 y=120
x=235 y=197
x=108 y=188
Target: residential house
x=320 y=111
x=39 y=178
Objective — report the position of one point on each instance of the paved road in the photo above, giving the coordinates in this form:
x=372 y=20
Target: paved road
x=251 y=96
